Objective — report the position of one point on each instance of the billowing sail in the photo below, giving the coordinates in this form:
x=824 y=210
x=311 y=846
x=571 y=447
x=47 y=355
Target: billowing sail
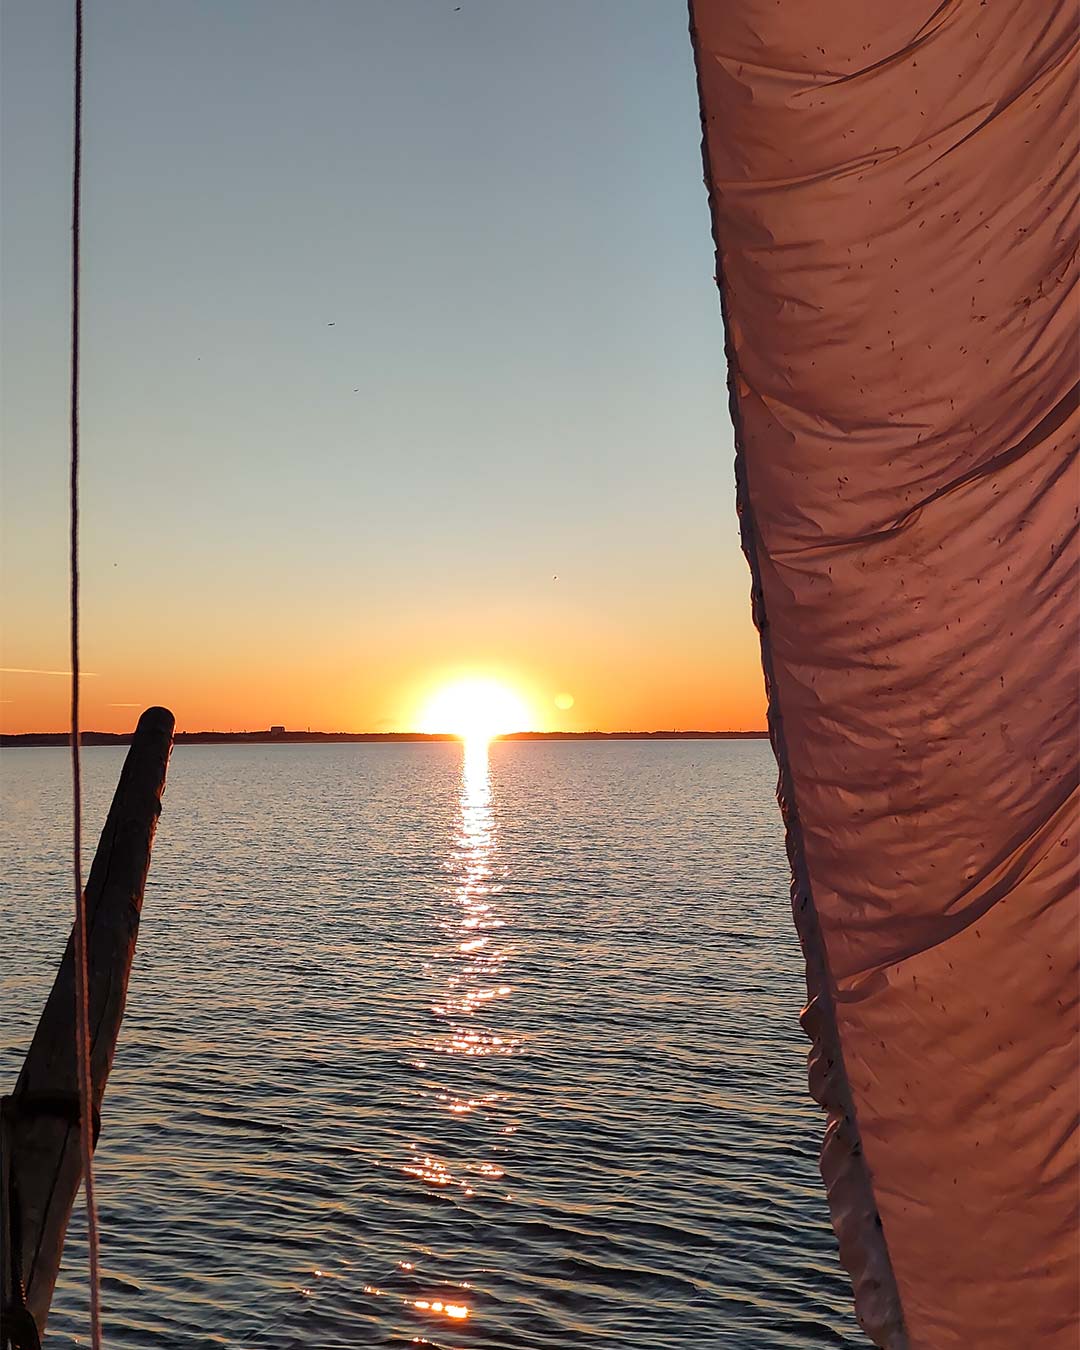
x=893 y=193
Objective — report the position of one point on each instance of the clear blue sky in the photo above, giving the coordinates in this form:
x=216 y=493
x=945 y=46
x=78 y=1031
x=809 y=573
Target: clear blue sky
x=500 y=210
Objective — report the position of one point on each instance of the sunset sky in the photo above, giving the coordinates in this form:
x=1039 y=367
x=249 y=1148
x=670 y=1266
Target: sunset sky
x=402 y=361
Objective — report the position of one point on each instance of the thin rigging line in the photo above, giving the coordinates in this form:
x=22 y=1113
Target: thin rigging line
x=82 y=998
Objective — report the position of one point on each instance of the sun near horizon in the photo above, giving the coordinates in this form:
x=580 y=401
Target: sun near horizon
x=370 y=477
x=477 y=709
x=468 y=699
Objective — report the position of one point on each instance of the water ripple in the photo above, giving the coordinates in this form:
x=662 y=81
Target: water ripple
x=458 y=1051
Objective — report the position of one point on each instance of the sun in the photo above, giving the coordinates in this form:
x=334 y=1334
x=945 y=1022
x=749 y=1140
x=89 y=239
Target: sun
x=476 y=710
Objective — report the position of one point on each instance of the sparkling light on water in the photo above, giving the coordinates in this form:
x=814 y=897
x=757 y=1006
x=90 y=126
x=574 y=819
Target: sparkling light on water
x=492 y=1048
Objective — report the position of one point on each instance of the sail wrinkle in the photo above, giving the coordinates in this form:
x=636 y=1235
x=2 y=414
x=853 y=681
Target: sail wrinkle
x=1048 y=426
x=1018 y=862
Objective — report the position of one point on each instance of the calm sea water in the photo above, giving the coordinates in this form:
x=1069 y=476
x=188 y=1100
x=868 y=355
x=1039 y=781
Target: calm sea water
x=454 y=1050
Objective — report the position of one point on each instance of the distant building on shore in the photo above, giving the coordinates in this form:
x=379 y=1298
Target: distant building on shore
x=277 y=731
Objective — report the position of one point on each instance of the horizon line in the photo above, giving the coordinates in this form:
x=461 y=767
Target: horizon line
x=13 y=739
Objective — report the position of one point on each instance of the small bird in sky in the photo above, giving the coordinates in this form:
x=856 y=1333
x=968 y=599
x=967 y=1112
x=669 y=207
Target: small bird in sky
x=555 y=578
x=331 y=325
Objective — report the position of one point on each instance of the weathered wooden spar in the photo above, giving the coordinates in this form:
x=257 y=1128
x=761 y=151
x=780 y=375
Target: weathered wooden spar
x=40 y=1156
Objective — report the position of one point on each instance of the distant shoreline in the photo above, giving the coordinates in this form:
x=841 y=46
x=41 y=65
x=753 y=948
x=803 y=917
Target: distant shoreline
x=30 y=739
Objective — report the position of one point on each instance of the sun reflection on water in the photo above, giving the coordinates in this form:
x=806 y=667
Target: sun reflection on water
x=462 y=1122
x=476 y=819
x=472 y=918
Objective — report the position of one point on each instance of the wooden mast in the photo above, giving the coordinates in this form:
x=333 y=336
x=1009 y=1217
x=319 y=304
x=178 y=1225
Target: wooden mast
x=40 y=1163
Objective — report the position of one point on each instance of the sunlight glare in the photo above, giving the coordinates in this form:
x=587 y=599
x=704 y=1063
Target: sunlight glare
x=476 y=710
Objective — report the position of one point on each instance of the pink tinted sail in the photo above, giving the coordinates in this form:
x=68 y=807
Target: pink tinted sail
x=893 y=201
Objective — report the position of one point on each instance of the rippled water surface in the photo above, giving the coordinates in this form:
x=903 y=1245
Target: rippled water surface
x=487 y=1049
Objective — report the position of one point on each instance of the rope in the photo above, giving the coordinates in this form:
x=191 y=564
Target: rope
x=82 y=999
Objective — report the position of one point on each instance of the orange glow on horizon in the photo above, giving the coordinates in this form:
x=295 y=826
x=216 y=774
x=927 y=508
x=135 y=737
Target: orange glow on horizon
x=332 y=686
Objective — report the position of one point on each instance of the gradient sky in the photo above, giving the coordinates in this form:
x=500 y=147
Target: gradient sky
x=500 y=210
